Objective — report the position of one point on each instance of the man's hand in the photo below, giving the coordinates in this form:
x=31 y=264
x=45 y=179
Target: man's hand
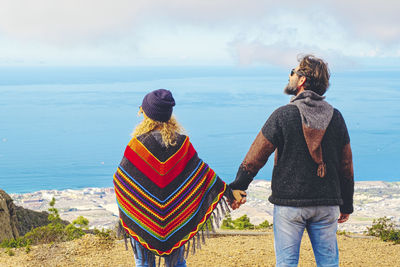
x=343 y=217
x=240 y=198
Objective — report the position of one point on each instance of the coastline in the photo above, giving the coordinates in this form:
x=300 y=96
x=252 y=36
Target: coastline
x=372 y=200
x=98 y=205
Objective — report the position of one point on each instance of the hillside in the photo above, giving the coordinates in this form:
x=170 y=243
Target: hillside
x=372 y=200
x=218 y=251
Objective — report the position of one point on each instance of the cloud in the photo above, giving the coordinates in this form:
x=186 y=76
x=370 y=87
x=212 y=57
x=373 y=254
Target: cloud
x=284 y=55
x=339 y=32
x=281 y=40
x=372 y=20
x=91 y=18
x=66 y=20
x=259 y=30
x=63 y=20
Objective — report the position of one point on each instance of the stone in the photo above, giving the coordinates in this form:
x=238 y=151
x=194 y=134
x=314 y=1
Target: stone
x=8 y=217
x=29 y=219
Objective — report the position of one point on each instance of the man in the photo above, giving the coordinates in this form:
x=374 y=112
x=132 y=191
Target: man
x=312 y=182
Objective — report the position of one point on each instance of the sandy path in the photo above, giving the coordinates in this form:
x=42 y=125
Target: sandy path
x=219 y=251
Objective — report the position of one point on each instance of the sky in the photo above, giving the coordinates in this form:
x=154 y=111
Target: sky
x=198 y=32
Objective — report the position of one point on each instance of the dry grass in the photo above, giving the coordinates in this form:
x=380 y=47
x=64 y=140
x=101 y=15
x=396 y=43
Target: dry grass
x=219 y=251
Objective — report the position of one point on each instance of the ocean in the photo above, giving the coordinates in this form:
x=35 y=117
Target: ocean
x=67 y=127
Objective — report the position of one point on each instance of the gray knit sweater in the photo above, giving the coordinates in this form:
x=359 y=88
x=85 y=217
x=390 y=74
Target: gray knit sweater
x=294 y=179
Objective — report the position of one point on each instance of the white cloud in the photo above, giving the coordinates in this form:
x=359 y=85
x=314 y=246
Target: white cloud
x=252 y=30
x=281 y=39
x=66 y=21
x=370 y=19
x=338 y=32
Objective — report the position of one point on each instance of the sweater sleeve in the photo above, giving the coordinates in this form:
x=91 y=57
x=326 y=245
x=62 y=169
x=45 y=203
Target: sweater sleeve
x=255 y=159
x=347 y=180
x=346 y=168
x=272 y=130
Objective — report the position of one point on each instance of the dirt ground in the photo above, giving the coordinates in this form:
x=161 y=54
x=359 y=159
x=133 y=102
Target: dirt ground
x=218 y=251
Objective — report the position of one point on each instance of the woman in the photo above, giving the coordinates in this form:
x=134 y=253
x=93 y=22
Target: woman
x=165 y=192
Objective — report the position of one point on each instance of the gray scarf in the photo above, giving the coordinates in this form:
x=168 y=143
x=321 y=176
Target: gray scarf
x=316 y=115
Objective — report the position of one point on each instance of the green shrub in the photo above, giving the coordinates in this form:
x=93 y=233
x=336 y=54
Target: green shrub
x=105 y=234
x=341 y=232
x=55 y=231
x=380 y=227
x=106 y=237
x=242 y=223
x=15 y=243
x=393 y=235
x=54 y=216
x=47 y=234
x=227 y=223
x=81 y=222
x=72 y=232
x=385 y=229
x=10 y=252
x=264 y=225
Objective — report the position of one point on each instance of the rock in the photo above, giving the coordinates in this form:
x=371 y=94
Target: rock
x=16 y=221
x=29 y=219
x=8 y=217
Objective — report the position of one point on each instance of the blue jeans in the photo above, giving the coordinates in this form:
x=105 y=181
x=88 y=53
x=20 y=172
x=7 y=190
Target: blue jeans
x=141 y=260
x=321 y=225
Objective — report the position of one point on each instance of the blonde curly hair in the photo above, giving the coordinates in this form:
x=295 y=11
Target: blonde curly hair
x=169 y=130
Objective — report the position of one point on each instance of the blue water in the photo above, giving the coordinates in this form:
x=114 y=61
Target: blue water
x=68 y=127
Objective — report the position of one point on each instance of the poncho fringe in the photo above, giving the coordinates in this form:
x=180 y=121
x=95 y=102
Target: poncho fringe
x=189 y=247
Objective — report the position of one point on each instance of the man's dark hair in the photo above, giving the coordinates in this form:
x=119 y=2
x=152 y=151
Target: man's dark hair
x=316 y=72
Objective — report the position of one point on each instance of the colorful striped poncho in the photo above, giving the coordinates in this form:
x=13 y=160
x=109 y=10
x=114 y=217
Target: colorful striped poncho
x=165 y=195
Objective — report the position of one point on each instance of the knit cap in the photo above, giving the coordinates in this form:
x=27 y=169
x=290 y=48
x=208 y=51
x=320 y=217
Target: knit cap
x=158 y=104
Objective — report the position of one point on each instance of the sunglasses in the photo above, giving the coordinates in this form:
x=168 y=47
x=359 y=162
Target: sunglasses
x=294 y=71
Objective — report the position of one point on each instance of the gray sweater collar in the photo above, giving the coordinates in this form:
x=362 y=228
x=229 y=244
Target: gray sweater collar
x=315 y=112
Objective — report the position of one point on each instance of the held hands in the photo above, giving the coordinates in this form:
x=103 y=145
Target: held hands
x=343 y=217
x=240 y=198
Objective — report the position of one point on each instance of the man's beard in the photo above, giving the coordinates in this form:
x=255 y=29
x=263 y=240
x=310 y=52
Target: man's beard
x=290 y=89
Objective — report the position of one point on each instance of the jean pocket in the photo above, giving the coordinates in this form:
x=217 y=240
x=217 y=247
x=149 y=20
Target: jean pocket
x=336 y=211
x=328 y=214
x=289 y=213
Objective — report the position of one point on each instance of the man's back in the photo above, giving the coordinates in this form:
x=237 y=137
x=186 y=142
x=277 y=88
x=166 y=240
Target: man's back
x=294 y=180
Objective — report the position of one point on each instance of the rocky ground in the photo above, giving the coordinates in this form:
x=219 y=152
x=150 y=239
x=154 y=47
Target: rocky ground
x=219 y=251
